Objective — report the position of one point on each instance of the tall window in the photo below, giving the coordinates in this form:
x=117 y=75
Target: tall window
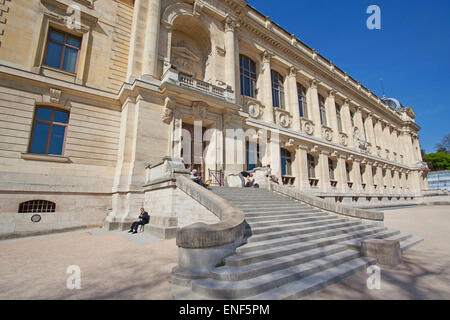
x=277 y=90
x=338 y=117
x=248 y=76
x=301 y=91
x=286 y=163
x=62 y=50
x=49 y=131
x=323 y=116
x=252 y=155
x=311 y=166
x=331 y=169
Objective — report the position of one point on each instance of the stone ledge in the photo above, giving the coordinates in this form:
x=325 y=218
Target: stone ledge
x=44 y=157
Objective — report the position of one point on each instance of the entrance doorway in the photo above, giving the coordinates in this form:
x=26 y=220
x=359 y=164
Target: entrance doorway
x=193 y=150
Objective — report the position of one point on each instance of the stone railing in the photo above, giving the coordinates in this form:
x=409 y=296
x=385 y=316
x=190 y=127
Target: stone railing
x=201 y=245
x=328 y=206
x=172 y=75
x=200 y=235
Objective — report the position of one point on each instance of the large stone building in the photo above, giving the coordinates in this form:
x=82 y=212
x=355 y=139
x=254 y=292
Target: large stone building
x=94 y=91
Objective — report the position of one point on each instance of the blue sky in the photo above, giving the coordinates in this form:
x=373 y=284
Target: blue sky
x=411 y=52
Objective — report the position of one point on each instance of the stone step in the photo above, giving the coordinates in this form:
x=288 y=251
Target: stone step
x=282 y=205
x=356 y=243
x=400 y=237
x=260 y=213
x=237 y=273
x=280 y=222
x=302 y=231
x=410 y=242
x=264 y=230
x=305 y=286
x=272 y=243
x=292 y=246
x=276 y=217
x=254 y=286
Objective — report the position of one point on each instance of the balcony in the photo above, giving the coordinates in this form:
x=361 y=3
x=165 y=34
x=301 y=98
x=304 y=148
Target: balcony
x=180 y=79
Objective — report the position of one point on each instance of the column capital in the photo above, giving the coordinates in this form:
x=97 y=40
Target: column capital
x=266 y=57
x=346 y=102
x=332 y=93
x=314 y=83
x=292 y=72
x=230 y=24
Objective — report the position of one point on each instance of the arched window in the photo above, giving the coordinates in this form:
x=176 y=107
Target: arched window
x=49 y=131
x=301 y=91
x=248 y=76
x=286 y=163
x=338 y=117
x=277 y=90
x=33 y=206
x=323 y=115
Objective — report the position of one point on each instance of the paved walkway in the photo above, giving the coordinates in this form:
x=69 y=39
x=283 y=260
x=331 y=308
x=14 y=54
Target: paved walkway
x=114 y=265
x=425 y=272
x=118 y=265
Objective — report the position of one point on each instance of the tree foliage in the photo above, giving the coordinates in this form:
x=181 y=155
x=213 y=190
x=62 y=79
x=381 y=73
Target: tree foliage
x=438 y=161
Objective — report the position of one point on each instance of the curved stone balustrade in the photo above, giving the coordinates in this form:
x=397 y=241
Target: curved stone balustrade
x=325 y=205
x=200 y=235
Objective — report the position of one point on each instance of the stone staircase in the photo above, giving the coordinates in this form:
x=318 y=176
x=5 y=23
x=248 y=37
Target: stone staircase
x=290 y=250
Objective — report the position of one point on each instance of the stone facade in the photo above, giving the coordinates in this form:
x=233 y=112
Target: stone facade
x=146 y=71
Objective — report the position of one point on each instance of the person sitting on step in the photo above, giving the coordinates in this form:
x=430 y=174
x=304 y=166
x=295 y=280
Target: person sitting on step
x=144 y=219
x=243 y=175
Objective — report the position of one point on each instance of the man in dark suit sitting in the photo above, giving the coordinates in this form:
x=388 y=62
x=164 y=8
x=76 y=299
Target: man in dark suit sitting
x=144 y=218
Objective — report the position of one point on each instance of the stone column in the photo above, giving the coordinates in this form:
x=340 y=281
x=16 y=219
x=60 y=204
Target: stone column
x=302 y=152
x=292 y=94
x=388 y=180
x=331 y=115
x=230 y=57
x=387 y=141
x=267 y=87
x=359 y=123
x=150 y=58
x=313 y=108
x=379 y=135
x=379 y=180
x=368 y=177
x=341 y=173
x=323 y=174
x=356 y=175
x=370 y=132
x=275 y=153
x=136 y=39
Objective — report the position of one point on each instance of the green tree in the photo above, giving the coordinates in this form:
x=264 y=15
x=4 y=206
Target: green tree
x=438 y=161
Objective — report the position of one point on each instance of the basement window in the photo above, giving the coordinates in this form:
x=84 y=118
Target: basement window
x=34 y=206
